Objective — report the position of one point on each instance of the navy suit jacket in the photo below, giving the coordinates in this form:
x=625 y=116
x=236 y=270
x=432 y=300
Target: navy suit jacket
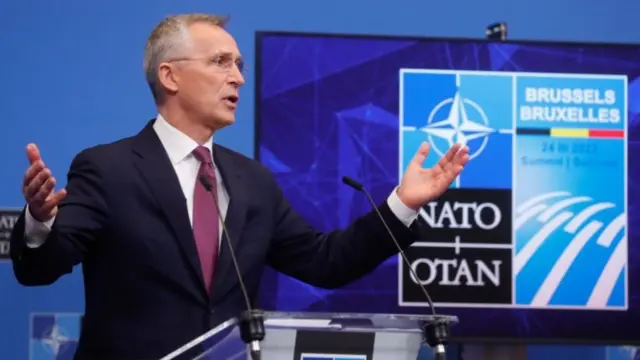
x=125 y=220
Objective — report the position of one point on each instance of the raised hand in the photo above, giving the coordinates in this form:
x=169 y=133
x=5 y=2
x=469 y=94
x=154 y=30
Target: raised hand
x=419 y=186
x=38 y=187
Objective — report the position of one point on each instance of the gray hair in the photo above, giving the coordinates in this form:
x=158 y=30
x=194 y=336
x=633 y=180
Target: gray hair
x=168 y=40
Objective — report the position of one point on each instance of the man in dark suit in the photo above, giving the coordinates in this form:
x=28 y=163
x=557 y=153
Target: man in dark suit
x=146 y=231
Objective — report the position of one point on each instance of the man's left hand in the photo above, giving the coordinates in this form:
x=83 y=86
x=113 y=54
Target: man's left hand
x=419 y=186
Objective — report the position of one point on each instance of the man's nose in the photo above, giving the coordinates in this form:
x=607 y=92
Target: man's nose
x=236 y=78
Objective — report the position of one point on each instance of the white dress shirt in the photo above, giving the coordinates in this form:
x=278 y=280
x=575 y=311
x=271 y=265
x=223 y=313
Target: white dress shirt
x=179 y=148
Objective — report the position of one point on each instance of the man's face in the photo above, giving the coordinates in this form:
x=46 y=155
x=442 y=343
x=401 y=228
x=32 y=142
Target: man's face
x=209 y=75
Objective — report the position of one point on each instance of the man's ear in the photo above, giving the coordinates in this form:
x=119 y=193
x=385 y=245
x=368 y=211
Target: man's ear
x=169 y=76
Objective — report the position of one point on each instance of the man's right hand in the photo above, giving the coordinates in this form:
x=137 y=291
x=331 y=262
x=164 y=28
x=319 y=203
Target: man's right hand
x=38 y=188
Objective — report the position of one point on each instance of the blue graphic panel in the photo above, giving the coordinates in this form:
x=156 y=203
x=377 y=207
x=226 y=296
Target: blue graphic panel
x=444 y=108
x=570 y=227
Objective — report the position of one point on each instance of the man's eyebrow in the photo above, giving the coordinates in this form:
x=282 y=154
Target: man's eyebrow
x=229 y=54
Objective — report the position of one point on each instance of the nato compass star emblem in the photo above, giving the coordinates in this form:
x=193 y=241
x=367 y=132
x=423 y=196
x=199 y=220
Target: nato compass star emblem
x=55 y=339
x=465 y=122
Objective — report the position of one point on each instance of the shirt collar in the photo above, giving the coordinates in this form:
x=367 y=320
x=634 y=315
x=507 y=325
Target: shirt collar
x=177 y=144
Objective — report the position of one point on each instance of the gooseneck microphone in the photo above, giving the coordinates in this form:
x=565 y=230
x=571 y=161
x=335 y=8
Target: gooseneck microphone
x=359 y=187
x=435 y=333
x=251 y=321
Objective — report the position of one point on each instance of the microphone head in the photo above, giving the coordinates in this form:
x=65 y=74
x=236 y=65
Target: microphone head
x=354 y=184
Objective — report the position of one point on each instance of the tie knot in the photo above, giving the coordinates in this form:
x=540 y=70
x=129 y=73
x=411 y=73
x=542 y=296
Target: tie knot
x=203 y=154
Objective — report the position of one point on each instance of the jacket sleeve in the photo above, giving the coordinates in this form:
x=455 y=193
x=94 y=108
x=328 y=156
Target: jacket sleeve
x=334 y=259
x=81 y=218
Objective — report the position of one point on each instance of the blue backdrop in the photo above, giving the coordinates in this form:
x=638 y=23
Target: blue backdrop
x=72 y=74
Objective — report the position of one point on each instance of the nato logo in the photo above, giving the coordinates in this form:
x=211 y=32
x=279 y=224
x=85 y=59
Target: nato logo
x=54 y=336
x=476 y=109
x=306 y=356
x=472 y=108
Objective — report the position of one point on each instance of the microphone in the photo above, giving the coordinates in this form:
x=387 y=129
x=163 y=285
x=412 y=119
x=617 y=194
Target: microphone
x=435 y=333
x=252 y=329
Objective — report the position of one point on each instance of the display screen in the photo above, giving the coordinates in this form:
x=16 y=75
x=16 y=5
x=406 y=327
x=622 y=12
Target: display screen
x=535 y=239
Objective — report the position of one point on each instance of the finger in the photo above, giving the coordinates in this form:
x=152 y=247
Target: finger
x=33 y=154
x=36 y=184
x=54 y=200
x=453 y=151
x=458 y=155
x=445 y=162
x=421 y=154
x=31 y=172
x=461 y=152
x=458 y=166
x=44 y=191
x=464 y=150
x=462 y=159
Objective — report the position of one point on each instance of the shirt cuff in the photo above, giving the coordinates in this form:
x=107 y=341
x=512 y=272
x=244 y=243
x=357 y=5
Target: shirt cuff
x=36 y=232
x=400 y=210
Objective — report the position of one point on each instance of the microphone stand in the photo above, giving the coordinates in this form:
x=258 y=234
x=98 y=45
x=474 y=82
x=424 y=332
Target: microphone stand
x=436 y=333
x=252 y=331
x=251 y=321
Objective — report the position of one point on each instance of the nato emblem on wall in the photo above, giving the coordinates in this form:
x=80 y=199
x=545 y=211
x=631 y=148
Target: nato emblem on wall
x=538 y=218
x=54 y=336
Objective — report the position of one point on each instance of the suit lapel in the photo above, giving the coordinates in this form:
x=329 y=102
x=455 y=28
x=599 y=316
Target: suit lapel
x=234 y=221
x=156 y=169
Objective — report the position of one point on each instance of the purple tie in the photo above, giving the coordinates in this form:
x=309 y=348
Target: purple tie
x=205 y=216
